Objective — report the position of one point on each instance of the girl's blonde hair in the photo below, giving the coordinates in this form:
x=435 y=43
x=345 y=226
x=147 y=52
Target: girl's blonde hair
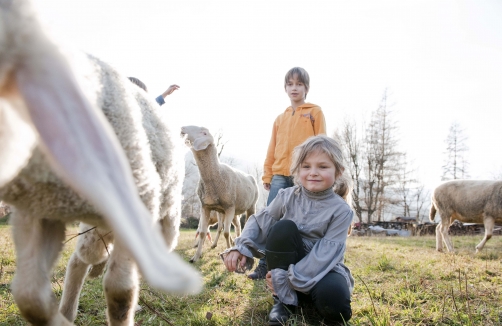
x=332 y=148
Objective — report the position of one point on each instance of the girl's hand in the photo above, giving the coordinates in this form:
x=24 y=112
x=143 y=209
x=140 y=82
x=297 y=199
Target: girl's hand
x=231 y=259
x=266 y=186
x=268 y=279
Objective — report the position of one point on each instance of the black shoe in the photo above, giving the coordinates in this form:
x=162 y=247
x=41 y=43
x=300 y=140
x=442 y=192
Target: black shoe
x=279 y=314
x=259 y=273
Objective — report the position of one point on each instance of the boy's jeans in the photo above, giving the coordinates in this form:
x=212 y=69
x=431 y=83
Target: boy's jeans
x=278 y=182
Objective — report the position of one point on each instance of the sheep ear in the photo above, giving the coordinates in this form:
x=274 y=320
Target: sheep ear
x=17 y=139
x=84 y=151
x=201 y=144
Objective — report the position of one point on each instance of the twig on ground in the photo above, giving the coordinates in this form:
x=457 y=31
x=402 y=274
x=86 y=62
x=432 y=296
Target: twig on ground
x=158 y=314
x=467 y=299
x=455 y=305
x=79 y=234
x=371 y=298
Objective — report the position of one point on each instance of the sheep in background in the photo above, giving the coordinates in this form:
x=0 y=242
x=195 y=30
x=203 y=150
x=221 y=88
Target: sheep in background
x=62 y=162
x=471 y=201
x=217 y=218
x=221 y=188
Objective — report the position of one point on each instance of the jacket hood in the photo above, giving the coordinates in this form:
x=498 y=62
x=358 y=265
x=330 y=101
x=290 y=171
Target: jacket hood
x=304 y=106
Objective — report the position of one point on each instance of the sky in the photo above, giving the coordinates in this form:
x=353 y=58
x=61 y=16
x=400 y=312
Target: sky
x=441 y=62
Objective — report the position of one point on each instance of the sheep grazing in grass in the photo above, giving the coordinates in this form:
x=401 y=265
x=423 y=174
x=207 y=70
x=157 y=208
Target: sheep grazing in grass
x=221 y=188
x=217 y=218
x=64 y=124
x=471 y=201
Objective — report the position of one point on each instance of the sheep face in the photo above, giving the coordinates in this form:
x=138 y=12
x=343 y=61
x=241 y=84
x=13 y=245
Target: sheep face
x=196 y=138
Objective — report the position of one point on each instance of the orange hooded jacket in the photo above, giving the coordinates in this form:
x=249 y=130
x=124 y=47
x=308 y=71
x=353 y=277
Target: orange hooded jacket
x=290 y=129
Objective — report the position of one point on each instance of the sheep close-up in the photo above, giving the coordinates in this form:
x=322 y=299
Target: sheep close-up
x=471 y=201
x=65 y=121
x=221 y=188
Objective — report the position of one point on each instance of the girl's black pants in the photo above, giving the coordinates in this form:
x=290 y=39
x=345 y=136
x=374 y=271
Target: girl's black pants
x=331 y=295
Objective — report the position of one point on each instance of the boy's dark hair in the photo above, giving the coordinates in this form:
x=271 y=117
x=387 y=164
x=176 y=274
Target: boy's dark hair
x=138 y=83
x=302 y=75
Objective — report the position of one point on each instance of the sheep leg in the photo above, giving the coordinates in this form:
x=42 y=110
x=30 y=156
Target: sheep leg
x=121 y=284
x=203 y=223
x=237 y=225
x=218 y=232
x=444 y=233
x=38 y=243
x=91 y=250
x=229 y=216
x=489 y=225
x=439 y=237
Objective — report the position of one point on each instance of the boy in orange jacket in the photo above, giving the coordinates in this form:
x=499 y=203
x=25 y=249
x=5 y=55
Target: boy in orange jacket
x=300 y=121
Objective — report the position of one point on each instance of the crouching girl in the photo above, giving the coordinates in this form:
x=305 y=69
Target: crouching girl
x=303 y=235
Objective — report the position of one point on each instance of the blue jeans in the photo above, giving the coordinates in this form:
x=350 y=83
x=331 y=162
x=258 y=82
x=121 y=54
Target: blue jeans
x=278 y=182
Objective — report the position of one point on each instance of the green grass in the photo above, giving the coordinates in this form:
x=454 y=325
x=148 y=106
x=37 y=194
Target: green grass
x=399 y=281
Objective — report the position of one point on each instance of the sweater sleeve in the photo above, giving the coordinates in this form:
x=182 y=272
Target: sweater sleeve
x=253 y=238
x=269 y=160
x=160 y=100
x=319 y=123
x=326 y=255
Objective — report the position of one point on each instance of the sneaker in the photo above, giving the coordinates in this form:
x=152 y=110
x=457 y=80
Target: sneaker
x=259 y=273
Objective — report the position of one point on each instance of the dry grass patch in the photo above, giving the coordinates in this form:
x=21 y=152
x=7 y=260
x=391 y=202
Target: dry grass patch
x=399 y=281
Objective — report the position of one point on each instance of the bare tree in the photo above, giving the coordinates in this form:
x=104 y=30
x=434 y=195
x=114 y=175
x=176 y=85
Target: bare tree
x=456 y=165
x=497 y=174
x=382 y=159
x=404 y=188
x=421 y=197
x=190 y=205
x=219 y=141
x=351 y=143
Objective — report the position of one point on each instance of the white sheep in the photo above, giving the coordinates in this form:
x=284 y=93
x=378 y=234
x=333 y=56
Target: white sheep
x=221 y=188
x=63 y=162
x=472 y=201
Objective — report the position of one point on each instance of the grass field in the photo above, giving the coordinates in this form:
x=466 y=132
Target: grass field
x=399 y=281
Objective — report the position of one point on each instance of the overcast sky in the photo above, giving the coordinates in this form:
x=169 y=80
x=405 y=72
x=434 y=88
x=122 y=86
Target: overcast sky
x=440 y=60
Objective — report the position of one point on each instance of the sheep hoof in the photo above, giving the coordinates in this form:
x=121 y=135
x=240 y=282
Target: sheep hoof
x=213 y=246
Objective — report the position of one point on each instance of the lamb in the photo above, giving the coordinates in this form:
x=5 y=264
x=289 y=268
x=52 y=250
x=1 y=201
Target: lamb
x=64 y=124
x=472 y=201
x=221 y=188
